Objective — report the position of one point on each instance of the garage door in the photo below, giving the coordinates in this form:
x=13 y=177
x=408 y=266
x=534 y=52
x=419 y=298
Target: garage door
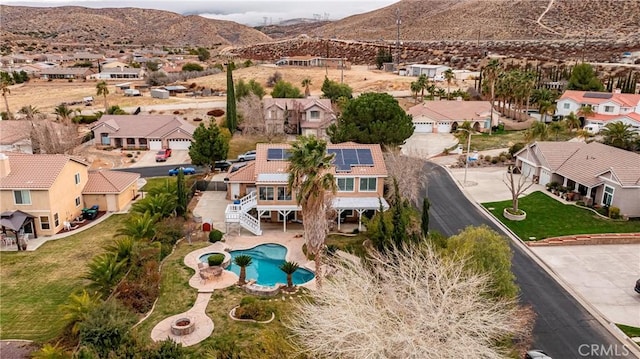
x=179 y=144
x=545 y=177
x=444 y=127
x=528 y=170
x=155 y=144
x=423 y=127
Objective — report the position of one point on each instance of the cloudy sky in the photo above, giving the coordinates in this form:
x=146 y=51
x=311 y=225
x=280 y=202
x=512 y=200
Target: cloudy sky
x=255 y=12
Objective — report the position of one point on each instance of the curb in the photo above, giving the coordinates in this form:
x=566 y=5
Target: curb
x=610 y=326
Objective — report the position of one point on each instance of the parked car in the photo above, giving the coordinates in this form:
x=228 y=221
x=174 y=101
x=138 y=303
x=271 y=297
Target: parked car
x=637 y=286
x=185 y=170
x=163 y=154
x=536 y=354
x=247 y=156
x=222 y=165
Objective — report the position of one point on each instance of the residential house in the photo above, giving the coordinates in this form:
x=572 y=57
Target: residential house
x=261 y=185
x=118 y=73
x=50 y=189
x=433 y=72
x=114 y=64
x=152 y=132
x=601 y=174
x=58 y=58
x=304 y=116
x=15 y=136
x=87 y=56
x=607 y=107
x=315 y=61
x=67 y=73
x=447 y=116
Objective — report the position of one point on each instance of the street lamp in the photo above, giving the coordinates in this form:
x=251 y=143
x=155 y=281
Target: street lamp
x=466 y=162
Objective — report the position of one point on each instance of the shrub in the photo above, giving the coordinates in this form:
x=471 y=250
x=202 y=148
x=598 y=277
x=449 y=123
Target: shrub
x=515 y=148
x=487 y=158
x=494 y=160
x=215 y=259
x=503 y=158
x=129 y=155
x=215 y=235
x=251 y=308
x=216 y=112
x=614 y=212
x=273 y=79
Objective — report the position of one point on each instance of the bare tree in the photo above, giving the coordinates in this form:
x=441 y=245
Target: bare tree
x=516 y=186
x=254 y=121
x=51 y=137
x=410 y=173
x=409 y=303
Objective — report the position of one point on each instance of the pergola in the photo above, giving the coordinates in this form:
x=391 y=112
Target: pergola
x=15 y=221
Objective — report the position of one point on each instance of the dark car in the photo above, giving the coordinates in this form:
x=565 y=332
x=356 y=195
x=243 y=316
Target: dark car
x=222 y=165
x=638 y=286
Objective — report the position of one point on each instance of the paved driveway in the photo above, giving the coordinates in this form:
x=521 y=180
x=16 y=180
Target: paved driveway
x=148 y=158
x=603 y=274
x=427 y=145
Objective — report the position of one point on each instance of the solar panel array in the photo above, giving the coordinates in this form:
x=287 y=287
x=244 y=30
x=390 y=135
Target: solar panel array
x=346 y=158
x=598 y=95
x=277 y=154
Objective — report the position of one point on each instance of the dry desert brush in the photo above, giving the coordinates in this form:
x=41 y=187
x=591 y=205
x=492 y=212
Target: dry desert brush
x=408 y=303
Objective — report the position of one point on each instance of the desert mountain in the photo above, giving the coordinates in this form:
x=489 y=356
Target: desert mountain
x=424 y=20
x=123 y=26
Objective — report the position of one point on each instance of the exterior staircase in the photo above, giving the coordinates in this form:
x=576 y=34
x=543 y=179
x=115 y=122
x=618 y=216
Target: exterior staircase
x=237 y=213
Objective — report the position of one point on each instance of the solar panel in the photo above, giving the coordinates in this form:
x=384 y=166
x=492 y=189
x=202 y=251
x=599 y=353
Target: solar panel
x=598 y=95
x=350 y=156
x=337 y=160
x=274 y=154
x=364 y=157
x=343 y=167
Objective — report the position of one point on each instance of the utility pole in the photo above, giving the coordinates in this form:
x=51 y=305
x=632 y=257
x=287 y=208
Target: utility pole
x=398 y=22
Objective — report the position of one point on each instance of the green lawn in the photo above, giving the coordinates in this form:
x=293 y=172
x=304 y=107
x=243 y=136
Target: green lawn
x=34 y=284
x=547 y=217
x=484 y=141
x=629 y=331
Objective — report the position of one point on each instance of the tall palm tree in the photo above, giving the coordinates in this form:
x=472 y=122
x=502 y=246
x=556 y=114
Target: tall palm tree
x=539 y=130
x=63 y=112
x=423 y=82
x=103 y=90
x=572 y=121
x=306 y=82
x=29 y=111
x=311 y=180
x=449 y=76
x=415 y=88
x=243 y=261
x=289 y=268
x=528 y=82
x=556 y=127
x=619 y=134
x=546 y=108
x=491 y=72
x=4 y=87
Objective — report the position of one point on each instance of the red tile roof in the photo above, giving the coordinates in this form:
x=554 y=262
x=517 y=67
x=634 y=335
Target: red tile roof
x=103 y=181
x=29 y=171
x=144 y=126
x=246 y=174
x=624 y=99
x=452 y=110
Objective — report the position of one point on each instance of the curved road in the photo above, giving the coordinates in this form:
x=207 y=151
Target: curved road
x=564 y=328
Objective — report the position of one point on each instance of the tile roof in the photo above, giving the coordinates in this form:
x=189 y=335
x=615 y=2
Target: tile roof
x=29 y=171
x=608 y=118
x=290 y=103
x=66 y=71
x=554 y=154
x=452 y=110
x=144 y=126
x=246 y=173
x=104 y=181
x=624 y=99
x=12 y=131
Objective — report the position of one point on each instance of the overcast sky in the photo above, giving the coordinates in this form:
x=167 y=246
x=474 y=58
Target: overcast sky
x=244 y=12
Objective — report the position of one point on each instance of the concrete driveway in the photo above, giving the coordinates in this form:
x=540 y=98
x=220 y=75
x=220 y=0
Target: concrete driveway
x=148 y=158
x=604 y=275
x=427 y=145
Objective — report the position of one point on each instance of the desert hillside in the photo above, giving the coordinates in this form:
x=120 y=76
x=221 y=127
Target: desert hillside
x=74 y=24
x=424 y=20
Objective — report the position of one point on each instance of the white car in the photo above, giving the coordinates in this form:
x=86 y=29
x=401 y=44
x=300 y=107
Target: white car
x=247 y=156
x=536 y=354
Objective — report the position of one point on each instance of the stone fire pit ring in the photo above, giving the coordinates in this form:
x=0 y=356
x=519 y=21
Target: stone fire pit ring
x=183 y=326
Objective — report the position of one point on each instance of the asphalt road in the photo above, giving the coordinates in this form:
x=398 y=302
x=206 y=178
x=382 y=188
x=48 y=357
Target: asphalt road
x=157 y=171
x=563 y=328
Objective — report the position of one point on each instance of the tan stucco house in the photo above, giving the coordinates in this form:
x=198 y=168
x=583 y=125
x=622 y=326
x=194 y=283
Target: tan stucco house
x=602 y=174
x=359 y=169
x=151 y=132
x=303 y=116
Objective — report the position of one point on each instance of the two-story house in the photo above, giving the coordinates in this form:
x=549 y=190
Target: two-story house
x=607 y=107
x=359 y=170
x=303 y=116
x=54 y=188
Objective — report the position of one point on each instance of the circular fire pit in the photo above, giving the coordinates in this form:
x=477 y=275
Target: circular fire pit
x=183 y=326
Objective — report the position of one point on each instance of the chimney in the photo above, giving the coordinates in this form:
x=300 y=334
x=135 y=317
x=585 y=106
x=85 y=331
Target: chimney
x=4 y=165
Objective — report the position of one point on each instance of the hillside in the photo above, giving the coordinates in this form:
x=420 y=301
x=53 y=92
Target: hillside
x=74 y=24
x=493 y=20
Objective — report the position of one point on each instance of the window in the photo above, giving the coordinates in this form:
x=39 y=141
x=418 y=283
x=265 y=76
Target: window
x=566 y=106
x=44 y=222
x=22 y=197
x=368 y=184
x=607 y=197
x=314 y=114
x=608 y=109
x=265 y=193
x=104 y=139
x=77 y=178
x=283 y=194
x=56 y=220
x=77 y=201
x=345 y=184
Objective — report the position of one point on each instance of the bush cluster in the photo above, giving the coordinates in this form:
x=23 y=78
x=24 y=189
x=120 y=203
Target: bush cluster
x=215 y=236
x=215 y=259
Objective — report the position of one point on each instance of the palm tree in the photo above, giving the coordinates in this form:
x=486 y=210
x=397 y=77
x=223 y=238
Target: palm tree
x=139 y=226
x=103 y=90
x=306 y=82
x=289 y=268
x=546 y=108
x=423 y=82
x=440 y=93
x=619 y=134
x=449 y=76
x=415 y=88
x=572 y=121
x=310 y=179
x=104 y=272
x=63 y=112
x=30 y=112
x=4 y=87
x=491 y=72
x=124 y=249
x=161 y=205
x=539 y=130
x=243 y=261
x=586 y=111
x=556 y=127
x=77 y=308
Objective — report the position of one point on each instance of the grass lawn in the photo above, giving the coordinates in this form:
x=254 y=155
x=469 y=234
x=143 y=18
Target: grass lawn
x=629 y=331
x=482 y=142
x=351 y=244
x=547 y=217
x=240 y=144
x=34 y=284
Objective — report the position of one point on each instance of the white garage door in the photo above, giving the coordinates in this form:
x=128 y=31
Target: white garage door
x=545 y=177
x=179 y=144
x=444 y=127
x=155 y=145
x=528 y=170
x=423 y=127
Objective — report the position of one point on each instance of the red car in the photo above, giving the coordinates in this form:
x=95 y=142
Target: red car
x=162 y=155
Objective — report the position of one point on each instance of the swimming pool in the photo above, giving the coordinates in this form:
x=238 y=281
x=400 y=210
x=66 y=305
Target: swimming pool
x=265 y=267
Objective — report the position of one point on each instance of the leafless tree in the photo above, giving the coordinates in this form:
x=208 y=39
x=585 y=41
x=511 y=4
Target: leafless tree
x=410 y=173
x=516 y=186
x=254 y=121
x=51 y=137
x=409 y=303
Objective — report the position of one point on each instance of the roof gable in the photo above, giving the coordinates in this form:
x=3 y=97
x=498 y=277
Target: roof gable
x=103 y=181
x=153 y=126
x=39 y=171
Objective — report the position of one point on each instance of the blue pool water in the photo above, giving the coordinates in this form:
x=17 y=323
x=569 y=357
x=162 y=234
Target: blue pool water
x=265 y=267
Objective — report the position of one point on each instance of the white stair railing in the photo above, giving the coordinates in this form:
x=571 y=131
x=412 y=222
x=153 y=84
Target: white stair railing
x=250 y=223
x=237 y=213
